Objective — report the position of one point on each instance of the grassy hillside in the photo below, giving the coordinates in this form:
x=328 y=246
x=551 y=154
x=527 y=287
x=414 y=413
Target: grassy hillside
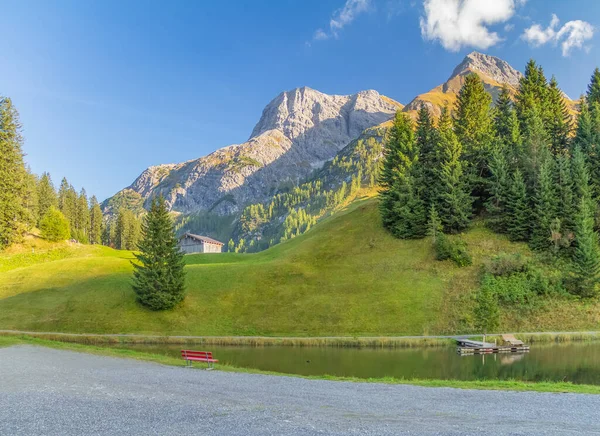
x=346 y=276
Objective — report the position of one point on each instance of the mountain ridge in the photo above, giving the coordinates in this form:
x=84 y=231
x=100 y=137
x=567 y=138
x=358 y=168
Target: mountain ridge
x=299 y=130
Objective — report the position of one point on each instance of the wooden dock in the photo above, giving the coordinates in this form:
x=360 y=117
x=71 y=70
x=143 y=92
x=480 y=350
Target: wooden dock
x=468 y=346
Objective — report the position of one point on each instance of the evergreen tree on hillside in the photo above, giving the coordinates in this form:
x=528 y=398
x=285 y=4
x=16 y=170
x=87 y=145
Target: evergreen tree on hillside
x=536 y=146
x=402 y=210
x=587 y=255
x=12 y=174
x=426 y=145
x=46 y=195
x=559 y=122
x=593 y=152
x=82 y=222
x=63 y=191
x=454 y=201
x=127 y=230
x=593 y=92
x=30 y=199
x=507 y=123
x=545 y=206
x=517 y=207
x=584 y=136
x=581 y=178
x=532 y=97
x=96 y=220
x=473 y=125
x=159 y=277
x=566 y=200
x=500 y=183
x=67 y=204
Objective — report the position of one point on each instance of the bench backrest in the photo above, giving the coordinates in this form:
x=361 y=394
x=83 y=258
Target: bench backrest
x=196 y=354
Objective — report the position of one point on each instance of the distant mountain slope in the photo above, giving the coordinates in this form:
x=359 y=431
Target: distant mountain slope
x=298 y=131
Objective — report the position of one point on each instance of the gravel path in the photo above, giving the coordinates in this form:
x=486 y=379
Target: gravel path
x=53 y=392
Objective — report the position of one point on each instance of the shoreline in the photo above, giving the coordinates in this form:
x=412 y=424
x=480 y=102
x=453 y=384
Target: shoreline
x=499 y=385
x=297 y=341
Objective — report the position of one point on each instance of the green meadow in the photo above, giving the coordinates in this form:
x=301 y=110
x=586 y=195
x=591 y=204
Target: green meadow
x=345 y=277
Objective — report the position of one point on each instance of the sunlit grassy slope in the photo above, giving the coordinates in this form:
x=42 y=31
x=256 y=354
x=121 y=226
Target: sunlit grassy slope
x=346 y=276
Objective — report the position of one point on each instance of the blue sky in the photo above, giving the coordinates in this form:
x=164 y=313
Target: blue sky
x=107 y=88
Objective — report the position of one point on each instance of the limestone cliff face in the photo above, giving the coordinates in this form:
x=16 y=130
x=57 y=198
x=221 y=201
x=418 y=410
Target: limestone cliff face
x=297 y=132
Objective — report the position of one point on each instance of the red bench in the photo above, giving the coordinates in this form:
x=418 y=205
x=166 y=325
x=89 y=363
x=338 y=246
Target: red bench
x=198 y=356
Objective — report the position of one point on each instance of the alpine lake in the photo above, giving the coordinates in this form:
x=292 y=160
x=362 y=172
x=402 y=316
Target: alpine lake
x=575 y=362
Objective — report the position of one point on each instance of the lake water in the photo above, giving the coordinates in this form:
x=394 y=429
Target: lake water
x=574 y=362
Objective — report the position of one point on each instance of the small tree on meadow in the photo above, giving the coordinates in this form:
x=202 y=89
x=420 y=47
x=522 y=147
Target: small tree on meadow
x=54 y=226
x=158 y=276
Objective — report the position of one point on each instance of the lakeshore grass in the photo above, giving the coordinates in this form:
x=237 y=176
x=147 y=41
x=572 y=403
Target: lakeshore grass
x=504 y=385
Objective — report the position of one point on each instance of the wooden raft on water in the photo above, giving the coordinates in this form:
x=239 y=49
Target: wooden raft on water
x=510 y=344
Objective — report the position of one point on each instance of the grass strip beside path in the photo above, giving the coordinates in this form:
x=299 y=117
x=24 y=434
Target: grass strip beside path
x=506 y=385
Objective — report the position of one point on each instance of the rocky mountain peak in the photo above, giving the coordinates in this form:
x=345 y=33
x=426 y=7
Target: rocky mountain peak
x=491 y=66
x=299 y=110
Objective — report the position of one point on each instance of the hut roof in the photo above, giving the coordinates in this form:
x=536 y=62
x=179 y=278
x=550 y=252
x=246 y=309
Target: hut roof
x=201 y=238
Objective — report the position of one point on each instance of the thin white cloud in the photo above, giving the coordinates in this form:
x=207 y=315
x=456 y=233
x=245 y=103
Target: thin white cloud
x=461 y=23
x=573 y=34
x=342 y=18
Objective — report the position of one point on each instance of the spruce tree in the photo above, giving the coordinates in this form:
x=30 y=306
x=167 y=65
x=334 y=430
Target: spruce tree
x=159 y=276
x=96 y=221
x=545 y=206
x=30 y=200
x=532 y=97
x=566 y=199
x=82 y=217
x=12 y=174
x=507 y=124
x=584 y=135
x=454 y=201
x=474 y=128
x=559 y=122
x=500 y=183
x=582 y=188
x=536 y=146
x=46 y=194
x=593 y=92
x=426 y=145
x=586 y=258
x=517 y=208
x=402 y=210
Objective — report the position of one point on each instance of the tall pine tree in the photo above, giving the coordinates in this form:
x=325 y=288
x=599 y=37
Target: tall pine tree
x=12 y=174
x=159 y=277
x=96 y=221
x=402 y=210
x=507 y=123
x=593 y=92
x=426 y=139
x=46 y=194
x=474 y=128
x=500 y=184
x=559 y=120
x=545 y=206
x=454 y=200
x=517 y=208
x=586 y=258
